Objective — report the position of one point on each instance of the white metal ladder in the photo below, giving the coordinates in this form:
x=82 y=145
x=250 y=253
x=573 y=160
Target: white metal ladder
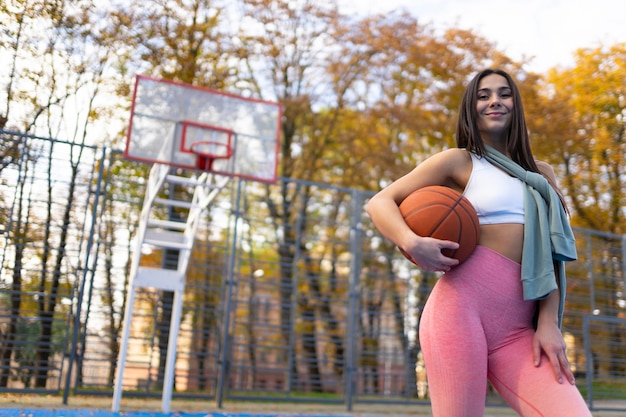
x=165 y=234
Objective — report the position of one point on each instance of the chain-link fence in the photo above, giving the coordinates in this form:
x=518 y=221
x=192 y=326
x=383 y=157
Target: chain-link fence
x=291 y=294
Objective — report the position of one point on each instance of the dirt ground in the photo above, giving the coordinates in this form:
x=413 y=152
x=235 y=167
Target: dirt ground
x=15 y=401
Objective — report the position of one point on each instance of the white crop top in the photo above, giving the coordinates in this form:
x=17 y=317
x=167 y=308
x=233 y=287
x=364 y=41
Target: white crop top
x=496 y=196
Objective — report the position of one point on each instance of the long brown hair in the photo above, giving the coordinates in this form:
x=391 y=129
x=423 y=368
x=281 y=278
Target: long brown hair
x=517 y=142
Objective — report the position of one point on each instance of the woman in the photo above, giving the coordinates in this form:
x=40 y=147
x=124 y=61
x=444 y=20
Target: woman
x=481 y=322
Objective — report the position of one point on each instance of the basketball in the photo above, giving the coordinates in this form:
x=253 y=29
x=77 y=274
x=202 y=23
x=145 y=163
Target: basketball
x=443 y=213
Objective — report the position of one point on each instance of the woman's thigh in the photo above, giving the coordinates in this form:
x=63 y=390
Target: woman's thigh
x=455 y=355
x=529 y=390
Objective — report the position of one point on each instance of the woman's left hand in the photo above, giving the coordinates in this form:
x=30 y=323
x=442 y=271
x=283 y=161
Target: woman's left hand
x=549 y=340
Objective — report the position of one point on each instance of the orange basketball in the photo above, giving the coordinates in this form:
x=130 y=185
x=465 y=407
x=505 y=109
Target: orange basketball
x=443 y=213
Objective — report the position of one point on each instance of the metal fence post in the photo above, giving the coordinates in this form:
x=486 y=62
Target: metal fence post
x=223 y=379
x=86 y=269
x=588 y=361
x=353 y=294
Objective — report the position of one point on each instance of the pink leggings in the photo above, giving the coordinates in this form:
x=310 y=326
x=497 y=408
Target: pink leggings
x=476 y=327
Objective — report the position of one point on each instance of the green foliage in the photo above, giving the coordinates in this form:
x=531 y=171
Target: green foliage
x=583 y=132
x=26 y=341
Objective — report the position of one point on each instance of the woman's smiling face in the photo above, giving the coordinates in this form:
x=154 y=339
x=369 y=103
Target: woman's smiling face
x=494 y=107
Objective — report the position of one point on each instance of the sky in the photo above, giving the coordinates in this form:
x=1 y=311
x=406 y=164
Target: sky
x=547 y=30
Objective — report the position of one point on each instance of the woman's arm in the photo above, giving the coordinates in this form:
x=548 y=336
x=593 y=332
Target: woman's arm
x=449 y=168
x=549 y=339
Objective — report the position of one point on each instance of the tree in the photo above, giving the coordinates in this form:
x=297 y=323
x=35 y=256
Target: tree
x=182 y=41
x=584 y=135
x=54 y=67
x=285 y=57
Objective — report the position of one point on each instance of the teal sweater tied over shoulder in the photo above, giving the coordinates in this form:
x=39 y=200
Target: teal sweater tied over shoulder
x=548 y=238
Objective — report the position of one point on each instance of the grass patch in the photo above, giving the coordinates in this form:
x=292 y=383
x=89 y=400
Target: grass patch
x=605 y=388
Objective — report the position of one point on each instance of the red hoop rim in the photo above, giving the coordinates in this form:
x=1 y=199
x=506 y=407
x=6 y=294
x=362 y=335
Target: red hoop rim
x=193 y=149
x=205 y=159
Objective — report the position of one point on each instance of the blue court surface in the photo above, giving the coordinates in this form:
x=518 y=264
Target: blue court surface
x=36 y=412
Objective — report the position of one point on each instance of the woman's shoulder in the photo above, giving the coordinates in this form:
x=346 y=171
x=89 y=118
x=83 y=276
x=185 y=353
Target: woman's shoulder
x=455 y=155
x=456 y=158
x=455 y=164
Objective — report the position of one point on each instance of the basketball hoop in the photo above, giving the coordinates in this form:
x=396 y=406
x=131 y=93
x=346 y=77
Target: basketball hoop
x=205 y=151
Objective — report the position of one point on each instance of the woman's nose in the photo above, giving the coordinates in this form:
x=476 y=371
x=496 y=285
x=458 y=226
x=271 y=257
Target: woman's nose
x=494 y=100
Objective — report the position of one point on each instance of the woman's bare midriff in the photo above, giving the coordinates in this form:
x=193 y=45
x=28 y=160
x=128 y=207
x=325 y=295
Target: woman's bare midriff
x=506 y=239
